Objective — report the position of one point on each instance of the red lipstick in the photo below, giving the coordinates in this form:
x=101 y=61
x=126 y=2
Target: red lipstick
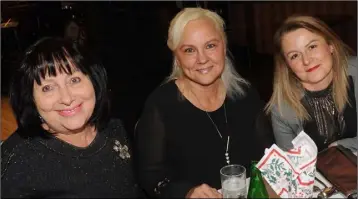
x=313 y=68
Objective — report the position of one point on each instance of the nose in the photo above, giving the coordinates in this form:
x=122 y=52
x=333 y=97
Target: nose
x=306 y=59
x=66 y=96
x=202 y=58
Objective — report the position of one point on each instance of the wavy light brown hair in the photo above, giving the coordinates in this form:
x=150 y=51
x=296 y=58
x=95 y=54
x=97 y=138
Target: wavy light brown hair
x=287 y=88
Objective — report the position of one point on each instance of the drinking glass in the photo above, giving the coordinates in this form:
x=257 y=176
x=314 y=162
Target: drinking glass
x=233 y=181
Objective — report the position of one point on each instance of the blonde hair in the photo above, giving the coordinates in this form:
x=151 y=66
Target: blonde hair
x=287 y=88
x=231 y=79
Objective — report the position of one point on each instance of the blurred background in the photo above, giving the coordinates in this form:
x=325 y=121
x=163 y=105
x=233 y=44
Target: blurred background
x=130 y=39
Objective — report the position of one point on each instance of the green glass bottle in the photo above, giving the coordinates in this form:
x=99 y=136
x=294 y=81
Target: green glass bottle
x=257 y=187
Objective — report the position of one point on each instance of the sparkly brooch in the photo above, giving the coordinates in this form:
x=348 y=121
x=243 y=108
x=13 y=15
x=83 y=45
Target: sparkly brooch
x=122 y=149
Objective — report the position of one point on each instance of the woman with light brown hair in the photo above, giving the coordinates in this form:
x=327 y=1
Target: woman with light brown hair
x=315 y=85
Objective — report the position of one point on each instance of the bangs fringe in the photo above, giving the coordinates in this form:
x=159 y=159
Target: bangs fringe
x=50 y=64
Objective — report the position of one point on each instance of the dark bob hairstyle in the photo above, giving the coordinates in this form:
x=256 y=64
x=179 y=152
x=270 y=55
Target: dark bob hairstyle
x=49 y=56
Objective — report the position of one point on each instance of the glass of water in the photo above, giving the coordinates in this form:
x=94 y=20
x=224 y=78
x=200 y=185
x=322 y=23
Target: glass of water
x=233 y=181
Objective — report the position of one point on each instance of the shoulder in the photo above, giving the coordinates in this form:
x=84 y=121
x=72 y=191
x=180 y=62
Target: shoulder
x=13 y=142
x=250 y=97
x=164 y=90
x=14 y=149
x=119 y=139
x=283 y=110
x=246 y=107
x=353 y=72
x=163 y=94
x=251 y=92
x=115 y=128
x=115 y=123
x=353 y=67
x=353 y=61
x=285 y=115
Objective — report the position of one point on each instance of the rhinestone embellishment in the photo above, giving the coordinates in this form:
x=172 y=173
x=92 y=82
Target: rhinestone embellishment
x=122 y=149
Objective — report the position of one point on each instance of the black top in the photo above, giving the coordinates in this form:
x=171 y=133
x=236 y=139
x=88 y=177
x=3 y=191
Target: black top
x=326 y=124
x=44 y=166
x=178 y=147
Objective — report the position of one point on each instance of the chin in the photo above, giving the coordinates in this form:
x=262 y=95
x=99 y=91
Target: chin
x=318 y=78
x=75 y=125
x=207 y=81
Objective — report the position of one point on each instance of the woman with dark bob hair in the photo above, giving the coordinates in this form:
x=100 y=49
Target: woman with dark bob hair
x=65 y=144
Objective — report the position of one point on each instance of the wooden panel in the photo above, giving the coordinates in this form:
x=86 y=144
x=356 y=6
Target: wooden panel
x=8 y=121
x=267 y=16
x=237 y=34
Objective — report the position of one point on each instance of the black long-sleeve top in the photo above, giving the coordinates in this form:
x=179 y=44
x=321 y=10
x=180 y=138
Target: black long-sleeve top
x=177 y=146
x=43 y=166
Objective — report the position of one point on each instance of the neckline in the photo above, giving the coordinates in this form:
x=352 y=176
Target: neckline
x=322 y=93
x=66 y=149
x=186 y=99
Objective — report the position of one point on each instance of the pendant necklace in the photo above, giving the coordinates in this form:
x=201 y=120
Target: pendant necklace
x=217 y=130
x=228 y=137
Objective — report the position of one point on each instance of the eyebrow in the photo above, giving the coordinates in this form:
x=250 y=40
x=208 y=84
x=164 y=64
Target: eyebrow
x=185 y=45
x=46 y=81
x=212 y=40
x=313 y=40
x=50 y=78
x=216 y=40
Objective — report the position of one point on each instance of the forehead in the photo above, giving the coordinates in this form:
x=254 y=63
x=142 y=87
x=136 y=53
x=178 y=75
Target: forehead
x=299 y=38
x=59 y=73
x=199 y=30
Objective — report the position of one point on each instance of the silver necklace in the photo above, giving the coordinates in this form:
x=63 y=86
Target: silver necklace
x=217 y=129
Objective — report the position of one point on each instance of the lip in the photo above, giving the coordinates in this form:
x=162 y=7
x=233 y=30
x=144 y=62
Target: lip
x=70 y=111
x=313 y=68
x=204 y=70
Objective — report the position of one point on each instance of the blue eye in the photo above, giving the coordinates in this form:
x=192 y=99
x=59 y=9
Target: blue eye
x=210 y=46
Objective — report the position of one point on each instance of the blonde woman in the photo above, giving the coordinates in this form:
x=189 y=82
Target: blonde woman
x=315 y=86
x=201 y=119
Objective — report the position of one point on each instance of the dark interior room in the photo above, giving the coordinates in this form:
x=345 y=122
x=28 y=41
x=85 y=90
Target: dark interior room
x=130 y=40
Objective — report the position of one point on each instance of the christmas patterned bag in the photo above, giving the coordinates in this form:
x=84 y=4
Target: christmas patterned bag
x=291 y=174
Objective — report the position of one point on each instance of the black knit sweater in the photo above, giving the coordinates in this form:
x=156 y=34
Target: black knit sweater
x=43 y=166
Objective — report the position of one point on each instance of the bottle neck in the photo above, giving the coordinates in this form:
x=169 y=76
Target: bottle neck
x=254 y=170
x=257 y=187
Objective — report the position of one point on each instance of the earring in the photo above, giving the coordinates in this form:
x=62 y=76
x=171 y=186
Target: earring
x=41 y=119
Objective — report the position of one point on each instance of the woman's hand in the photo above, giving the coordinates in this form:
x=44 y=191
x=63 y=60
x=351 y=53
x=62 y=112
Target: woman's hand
x=203 y=191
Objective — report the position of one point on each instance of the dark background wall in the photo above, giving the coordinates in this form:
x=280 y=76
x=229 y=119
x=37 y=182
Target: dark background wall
x=256 y=22
x=130 y=39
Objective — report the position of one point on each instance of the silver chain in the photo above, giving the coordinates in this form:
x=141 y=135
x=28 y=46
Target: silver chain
x=217 y=129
